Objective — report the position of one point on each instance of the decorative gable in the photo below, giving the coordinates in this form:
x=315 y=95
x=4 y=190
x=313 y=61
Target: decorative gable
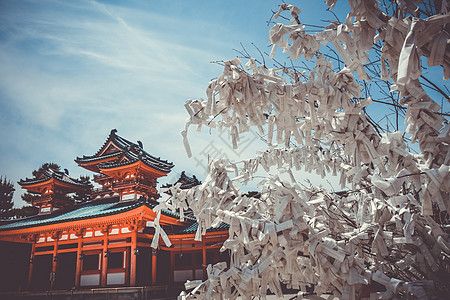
x=109 y=149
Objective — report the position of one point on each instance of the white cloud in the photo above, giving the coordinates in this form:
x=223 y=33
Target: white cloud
x=72 y=71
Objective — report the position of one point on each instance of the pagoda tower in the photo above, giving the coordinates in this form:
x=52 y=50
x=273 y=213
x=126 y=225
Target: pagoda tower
x=53 y=188
x=185 y=182
x=124 y=168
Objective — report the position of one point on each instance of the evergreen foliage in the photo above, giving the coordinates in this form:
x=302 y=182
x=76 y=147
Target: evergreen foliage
x=6 y=195
x=30 y=197
x=83 y=196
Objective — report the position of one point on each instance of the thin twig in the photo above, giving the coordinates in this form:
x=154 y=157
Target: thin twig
x=436 y=87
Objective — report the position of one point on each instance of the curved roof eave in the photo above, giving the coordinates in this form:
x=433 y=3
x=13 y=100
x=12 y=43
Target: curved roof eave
x=108 y=166
x=128 y=148
x=93 y=210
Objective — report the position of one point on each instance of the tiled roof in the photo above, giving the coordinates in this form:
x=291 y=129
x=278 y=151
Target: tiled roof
x=186 y=181
x=93 y=209
x=132 y=151
x=89 y=210
x=50 y=173
x=168 y=212
x=193 y=228
x=86 y=158
x=141 y=156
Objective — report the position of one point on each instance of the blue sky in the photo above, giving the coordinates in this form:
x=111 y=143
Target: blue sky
x=73 y=70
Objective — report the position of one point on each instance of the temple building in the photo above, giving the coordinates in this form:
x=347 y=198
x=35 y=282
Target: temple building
x=53 y=188
x=106 y=241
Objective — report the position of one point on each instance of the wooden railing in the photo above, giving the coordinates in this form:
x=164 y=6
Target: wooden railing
x=138 y=292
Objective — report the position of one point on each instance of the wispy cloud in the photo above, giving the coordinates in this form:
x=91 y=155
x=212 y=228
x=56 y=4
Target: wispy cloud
x=73 y=70
x=76 y=60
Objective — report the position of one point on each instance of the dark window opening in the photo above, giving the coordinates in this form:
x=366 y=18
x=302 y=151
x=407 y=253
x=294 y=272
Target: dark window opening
x=183 y=259
x=68 y=246
x=198 y=258
x=45 y=248
x=42 y=267
x=210 y=257
x=115 y=260
x=91 y=262
x=66 y=269
x=225 y=256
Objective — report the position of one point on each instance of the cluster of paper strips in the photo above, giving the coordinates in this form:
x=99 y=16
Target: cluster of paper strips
x=388 y=236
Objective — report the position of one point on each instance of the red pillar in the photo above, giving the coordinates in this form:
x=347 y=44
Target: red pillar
x=30 y=271
x=133 y=257
x=54 y=262
x=104 y=266
x=79 y=258
x=204 y=258
x=153 y=266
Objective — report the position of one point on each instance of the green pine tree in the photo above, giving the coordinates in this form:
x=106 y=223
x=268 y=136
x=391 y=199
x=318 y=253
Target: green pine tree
x=46 y=166
x=6 y=195
x=30 y=197
x=84 y=195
